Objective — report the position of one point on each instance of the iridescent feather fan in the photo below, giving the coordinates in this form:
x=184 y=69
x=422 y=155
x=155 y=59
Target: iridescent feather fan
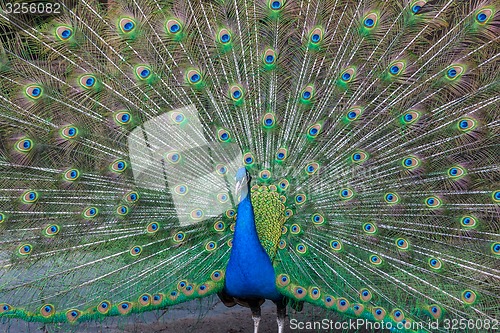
x=340 y=153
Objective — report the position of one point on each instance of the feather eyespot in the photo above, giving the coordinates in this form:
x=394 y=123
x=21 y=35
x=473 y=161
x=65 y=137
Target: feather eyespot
x=145 y=299
x=224 y=36
x=433 y=202
x=299 y=292
x=29 y=197
x=221 y=169
x=354 y=113
x=496 y=196
x=52 y=230
x=365 y=295
x=456 y=172
x=391 y=198
x=358 y=309
x=342 y=304
x=378 y=313
x=47 y=310
x=370 y=20
x=193 y=76
x=466 y=124
x=359 y=157
x=4 y=307
x=222 y=197
x=283 y=185
x=314 y=293
x=210 y=246
x=127 y=25
x=295 y=229
x=416 y=6
x=236 y=92
x=397 y=68
x=173 y=26
x=69 y=132
x=314 y=130
x=435 y=263
x=248 y=159
x=72 y=315
x=123 y=118
x=469 y=297
x=495 y=248
x=71 y=175
x=283 y=280
x=173 y=295
x=24 y=145
x=177 y=117
x=269 y=57
x=88 y=81
x=484 y=15
x=122 y=210
x=135 y=251
x=370 y=228
x=197 y=214
x=204 y=288
x=152 y=227
x=454 y=72
x=348 y=75
x=25 y=249
x=2 y=217
x=269 y=120
x=223 y=135
x=316 y=35
x=34 y=91
x=276 y=4
x=64 y=32
x=311 y=168
x=346 y=193
x=118 y=166
x=143 y=72
x=265 y=175
x=375 y=259
x=307 y=93
x=90 y=212
x=157 y=299
x=402 y=244
x=173 y=157
x=217 y=275
x=282 y=244
x=468 y=221
x=281 y=154
x=288 y=214
x=104 y=307
x=410 y=117
x=317 y=219
x=124 y=307
x=435 y=311
x=410 y=162
x=219 y=226
x=300 y=199
x=336 y=245
x=329 y=301
x=132 y=197
x=230 y=213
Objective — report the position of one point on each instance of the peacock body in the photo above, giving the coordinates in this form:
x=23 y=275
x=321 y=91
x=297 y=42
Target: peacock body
x=340 y=153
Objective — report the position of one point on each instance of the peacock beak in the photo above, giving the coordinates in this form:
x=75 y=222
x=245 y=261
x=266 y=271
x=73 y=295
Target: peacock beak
x=239 y=185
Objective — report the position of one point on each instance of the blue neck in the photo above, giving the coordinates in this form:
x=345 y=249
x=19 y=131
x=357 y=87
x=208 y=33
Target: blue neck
x=250 y=272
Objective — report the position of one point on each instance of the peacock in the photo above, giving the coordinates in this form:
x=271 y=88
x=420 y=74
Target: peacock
x=339 y=153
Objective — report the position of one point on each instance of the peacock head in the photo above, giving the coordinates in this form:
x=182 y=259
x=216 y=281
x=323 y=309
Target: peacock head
x=242 y=182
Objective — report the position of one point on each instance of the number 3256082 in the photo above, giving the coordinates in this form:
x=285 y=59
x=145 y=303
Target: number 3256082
x=33 y=8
